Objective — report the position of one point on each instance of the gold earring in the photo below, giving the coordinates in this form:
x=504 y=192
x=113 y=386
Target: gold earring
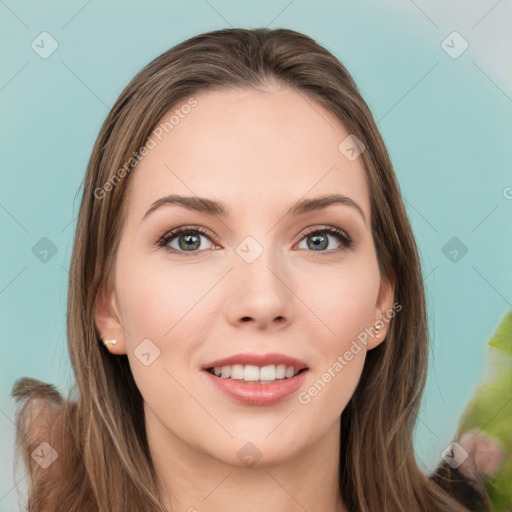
x=377 y=327
x=105 y=342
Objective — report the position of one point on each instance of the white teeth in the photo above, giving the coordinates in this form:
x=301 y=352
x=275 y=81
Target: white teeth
x=289 y=372
x=268 y=372
x=237 y=372
x=252 y=373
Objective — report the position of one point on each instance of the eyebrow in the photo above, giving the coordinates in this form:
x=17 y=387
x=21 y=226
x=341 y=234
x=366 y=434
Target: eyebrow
x=218 y=208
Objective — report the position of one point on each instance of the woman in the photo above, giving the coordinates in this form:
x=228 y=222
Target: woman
x=244 y=255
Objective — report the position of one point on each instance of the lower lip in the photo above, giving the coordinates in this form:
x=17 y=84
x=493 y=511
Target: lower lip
x=250 y=393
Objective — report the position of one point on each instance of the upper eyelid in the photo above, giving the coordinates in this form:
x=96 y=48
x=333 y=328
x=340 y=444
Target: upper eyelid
x=172 y=233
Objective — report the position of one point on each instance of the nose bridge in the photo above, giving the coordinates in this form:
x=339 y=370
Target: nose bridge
x=259 y=288
x=259 y=259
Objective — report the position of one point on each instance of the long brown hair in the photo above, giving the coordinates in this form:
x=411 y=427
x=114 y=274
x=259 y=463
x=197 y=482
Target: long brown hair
x=104 y=461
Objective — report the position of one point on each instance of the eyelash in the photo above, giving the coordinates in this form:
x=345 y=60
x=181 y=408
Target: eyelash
x=340 y=235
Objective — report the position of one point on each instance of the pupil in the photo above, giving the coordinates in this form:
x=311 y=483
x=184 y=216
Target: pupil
x=189 y=241
x=317 y=241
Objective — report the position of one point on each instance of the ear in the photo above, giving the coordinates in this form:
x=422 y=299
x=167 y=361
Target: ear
x=384 y=310
x=107 y=321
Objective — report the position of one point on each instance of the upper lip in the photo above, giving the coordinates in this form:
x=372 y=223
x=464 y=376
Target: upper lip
x=257 y=360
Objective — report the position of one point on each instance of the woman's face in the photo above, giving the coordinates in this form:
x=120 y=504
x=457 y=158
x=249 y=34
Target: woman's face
x=256 y=281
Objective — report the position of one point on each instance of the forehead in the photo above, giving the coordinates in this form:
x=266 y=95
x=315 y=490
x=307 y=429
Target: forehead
x=248 y=147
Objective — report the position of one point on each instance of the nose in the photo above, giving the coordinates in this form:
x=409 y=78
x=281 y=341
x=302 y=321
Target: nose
x=260 y=292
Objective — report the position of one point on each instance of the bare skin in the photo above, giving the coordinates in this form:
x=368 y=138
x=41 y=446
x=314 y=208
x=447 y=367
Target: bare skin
x=259 y=152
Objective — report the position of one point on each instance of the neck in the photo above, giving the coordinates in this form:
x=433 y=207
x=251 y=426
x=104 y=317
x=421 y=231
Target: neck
x=194 y=481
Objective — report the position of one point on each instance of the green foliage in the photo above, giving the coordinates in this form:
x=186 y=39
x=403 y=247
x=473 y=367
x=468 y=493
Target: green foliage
x=502 y=340
x=490 y=411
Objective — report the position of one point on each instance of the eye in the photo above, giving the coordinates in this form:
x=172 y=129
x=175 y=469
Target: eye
x=190 y=242
x=188 y=239
x=320 y=240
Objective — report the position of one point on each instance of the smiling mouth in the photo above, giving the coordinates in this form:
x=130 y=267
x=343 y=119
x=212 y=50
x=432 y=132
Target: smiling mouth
x=252 y=374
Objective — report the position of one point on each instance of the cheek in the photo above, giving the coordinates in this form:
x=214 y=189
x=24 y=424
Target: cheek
x=157 y=304
x=157 y=296
x=165 y=303
x=344 y=300
x=329 y=388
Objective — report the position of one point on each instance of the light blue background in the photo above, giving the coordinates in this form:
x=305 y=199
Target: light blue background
x=446 y=122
